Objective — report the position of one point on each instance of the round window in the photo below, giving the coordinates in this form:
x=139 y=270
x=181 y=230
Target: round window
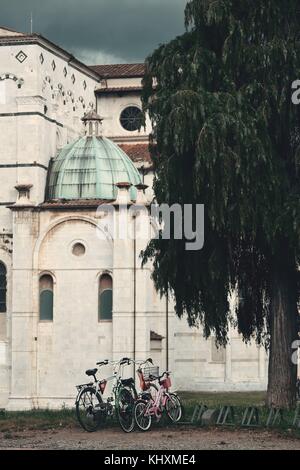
x=131 y=118
x=78 y=249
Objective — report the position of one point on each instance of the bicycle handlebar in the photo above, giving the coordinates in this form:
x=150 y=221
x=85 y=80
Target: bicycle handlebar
x=159 y=377
x=123 y=361
x=102 y=363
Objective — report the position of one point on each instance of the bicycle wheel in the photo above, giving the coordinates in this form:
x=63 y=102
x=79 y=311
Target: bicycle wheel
x=173 y=408
x=89 y=409
x=143 y=421
x=124 y=408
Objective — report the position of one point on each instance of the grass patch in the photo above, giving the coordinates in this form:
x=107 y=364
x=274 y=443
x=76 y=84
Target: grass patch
x=37 y=419
x=13 y=422
x=212 y=400
x=239 y=400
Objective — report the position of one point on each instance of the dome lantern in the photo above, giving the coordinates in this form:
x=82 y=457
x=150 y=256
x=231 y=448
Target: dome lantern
x=93 y=124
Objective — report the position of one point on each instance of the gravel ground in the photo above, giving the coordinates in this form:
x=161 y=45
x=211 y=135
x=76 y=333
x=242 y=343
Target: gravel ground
x=181 y=438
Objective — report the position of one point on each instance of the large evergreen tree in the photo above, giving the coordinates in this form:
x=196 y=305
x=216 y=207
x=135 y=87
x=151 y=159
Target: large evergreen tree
x=226 y=134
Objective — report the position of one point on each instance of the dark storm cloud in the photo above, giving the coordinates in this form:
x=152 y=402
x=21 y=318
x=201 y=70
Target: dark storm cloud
x=112 y=30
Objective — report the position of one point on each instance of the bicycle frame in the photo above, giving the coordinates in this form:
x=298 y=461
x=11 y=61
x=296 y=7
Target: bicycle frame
x=154 y=408
x=115 y=378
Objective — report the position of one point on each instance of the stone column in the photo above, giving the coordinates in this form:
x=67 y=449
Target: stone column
x=139 y=217
x=123 y=289
x=23 y=318
x=131 y=335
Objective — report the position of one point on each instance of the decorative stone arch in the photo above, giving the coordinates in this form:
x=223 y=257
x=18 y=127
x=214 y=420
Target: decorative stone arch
x=71 y=100
x=13 y=77
x=40 y=279
x=55 y=224
x=59 y=94
x=47 y=82
x=82 y=101
x=6 y=260
x=4 y=268
x=61 y=89
x=102 y=272
x=5 y=257
x=71 y=96
x=67 y=97
x=47 y=272
x=62 y=93
x=102 y=317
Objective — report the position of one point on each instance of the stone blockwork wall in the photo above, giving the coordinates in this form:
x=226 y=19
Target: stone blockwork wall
x=42 y=101
x=110 y=107
x=200 y=365
x=49 y=357
x=43 y=96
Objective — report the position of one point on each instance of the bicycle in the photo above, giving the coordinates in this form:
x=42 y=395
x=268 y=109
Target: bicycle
x=163 y=402
x=92 y=411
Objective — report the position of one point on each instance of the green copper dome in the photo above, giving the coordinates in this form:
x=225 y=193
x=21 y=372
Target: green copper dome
x=89 y=168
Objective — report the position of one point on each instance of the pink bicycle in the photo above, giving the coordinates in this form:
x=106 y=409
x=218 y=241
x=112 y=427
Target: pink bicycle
x=154 y=406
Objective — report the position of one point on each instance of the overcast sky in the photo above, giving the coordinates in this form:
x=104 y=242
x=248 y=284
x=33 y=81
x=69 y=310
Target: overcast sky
x=99 y=31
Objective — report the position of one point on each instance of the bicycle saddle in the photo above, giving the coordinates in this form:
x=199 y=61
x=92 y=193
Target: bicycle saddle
x=127 y=381
x=91 y=372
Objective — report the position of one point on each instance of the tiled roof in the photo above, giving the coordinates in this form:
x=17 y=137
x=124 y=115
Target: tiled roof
x=137 y=152
x=122 y=89
x=119 y=70
x=73 y=203
x=155 y=336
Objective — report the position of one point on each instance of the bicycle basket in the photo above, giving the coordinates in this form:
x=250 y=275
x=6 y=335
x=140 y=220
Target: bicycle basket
x=166 y=383
x=150 y=372
x=143 y=384
x=102 y=385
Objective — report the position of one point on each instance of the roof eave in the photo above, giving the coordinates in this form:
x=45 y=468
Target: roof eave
x=49 y=45
x=119 y=91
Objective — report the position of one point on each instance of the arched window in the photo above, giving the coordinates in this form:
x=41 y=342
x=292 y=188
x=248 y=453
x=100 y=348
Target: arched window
x=3 y=287
x=105 y=298
x=46 y=298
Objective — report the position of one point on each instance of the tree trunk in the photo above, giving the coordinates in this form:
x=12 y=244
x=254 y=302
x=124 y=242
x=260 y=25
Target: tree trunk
x=283 y=331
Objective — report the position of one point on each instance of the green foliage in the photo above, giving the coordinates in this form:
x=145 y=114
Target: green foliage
x=37 y=419
x=226 y=134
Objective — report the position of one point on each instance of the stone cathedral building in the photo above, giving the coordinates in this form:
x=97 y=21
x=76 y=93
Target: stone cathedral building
x=68 y=297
